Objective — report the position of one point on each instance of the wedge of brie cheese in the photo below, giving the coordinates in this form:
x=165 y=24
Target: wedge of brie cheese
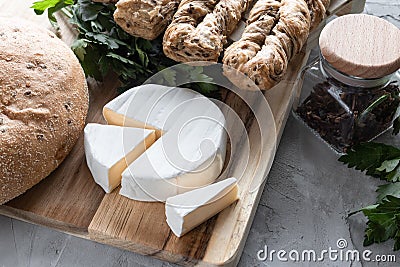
x=190 y=152
x=110 y=149
x=186 y=211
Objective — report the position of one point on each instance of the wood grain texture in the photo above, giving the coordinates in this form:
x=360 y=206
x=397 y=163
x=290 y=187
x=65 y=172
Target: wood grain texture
x=361 y=45
x=70 y=201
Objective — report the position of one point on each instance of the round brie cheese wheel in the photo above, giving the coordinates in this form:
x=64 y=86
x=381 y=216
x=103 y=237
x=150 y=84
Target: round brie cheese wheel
x=191 y=146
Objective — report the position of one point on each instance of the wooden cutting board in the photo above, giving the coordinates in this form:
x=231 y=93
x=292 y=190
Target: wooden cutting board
x=69 y=200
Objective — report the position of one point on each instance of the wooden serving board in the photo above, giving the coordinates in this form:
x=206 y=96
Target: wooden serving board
x=69 y=200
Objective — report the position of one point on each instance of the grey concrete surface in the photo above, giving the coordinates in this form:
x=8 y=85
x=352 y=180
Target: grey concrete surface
x=304 y=206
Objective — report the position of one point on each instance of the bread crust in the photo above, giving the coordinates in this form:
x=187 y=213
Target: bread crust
x=199 y=29
x=276 y=31
x=43 y=105
x=145 y=18
x=317 y=10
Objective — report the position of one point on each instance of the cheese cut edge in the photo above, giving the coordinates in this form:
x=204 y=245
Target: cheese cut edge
x=108 y=176
x=139 y=185
x=142 y=189
x=183 y=219
x=114 y=118
x=118 y=168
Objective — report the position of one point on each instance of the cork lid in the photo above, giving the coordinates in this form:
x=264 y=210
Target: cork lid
x=361 y=45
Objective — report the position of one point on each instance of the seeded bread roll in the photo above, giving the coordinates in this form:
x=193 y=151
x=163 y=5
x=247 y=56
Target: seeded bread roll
x=145 y=18
x=317 y=11
x=43 y=105
x=200 y=28
x=261 y=21
x=276 y=31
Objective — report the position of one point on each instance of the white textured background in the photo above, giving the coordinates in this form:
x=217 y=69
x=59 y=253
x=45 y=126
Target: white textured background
x=304 y=206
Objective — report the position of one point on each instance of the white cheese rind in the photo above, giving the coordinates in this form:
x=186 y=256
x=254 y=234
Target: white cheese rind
x=189 y=154
x=186 y=211
x=148 y=106
x=109 y=149
x=152 y=189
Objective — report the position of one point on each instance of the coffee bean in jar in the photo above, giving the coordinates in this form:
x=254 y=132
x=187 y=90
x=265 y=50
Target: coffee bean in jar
x=351 y=92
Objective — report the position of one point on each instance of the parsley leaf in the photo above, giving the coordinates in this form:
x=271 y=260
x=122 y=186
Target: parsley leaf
x=41 y=6
x=51 y=6
x=383 y=222
x=382 y=161
x=102 y=46
x=106 y=47
x=389 y=165
x=392 y=189
x=393 y=176
x=375 y=158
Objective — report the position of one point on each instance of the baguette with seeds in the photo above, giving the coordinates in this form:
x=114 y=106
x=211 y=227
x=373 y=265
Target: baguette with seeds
x=200 y=28
x=276 y=31
x=145 y=18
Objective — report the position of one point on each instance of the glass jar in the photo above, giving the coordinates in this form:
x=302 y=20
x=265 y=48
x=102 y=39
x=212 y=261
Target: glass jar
x=343 y=109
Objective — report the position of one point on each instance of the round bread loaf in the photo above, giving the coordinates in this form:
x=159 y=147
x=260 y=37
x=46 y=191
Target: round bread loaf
x=43 y=105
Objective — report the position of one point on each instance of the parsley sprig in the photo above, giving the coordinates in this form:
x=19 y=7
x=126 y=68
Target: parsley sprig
x=383 y=221
x=381 y=161
x=51 y=6
x=102 y=46
x=378 y=160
